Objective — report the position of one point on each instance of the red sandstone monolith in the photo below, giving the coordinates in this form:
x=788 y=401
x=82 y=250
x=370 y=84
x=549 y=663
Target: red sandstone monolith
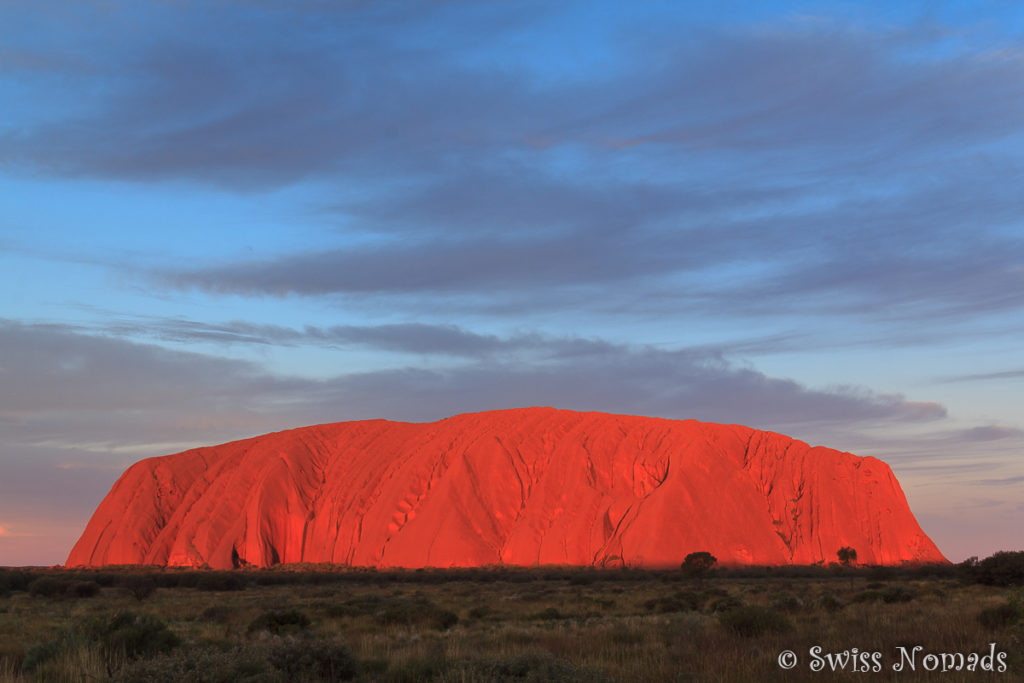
x=518 y=487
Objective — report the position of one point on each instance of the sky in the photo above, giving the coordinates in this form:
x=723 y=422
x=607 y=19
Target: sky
x=221 y=219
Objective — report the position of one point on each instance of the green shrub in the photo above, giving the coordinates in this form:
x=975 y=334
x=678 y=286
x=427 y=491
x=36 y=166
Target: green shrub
x=39 y=653
x=867 y=596
x=999 y=616
x=726 y=604
x=119 y=637
x=280 y=622
x=414 y=611
x=897 y=593
x=48 y=587
x=129 y=634
x=681 y=601
x=202 y=665
x=104 y=579
x=881 y=572
x=266 y=578
x=83 y=589
x=699 y=564
x=139 y=586
x=582 y=579
x=754 y=620
x=13 y=580
x=63 y=587
x=830 y=603
x=1005 y=568
x=219 y=581
x=313 y=659
x=368 y=603
x=784 y=601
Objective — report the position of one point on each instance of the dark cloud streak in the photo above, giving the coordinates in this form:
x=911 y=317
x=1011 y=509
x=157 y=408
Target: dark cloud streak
x=52 y=373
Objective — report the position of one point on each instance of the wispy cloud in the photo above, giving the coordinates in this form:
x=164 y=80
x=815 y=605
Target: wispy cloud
x=983 y=376
x=989 y=433
x=1006 y=481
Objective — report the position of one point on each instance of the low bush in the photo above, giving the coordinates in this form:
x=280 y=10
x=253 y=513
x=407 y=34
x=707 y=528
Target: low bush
x=999 y=616
x=1005 y=568
x=48 y=587
x=13 y=580
x=202 y=665
x=726 y=604
x=784 y=601
x=119 y=637
x=415 y=611
x=680 y=601
x=63 y=587
x=830 y=603
x=867 y=596
x=754 y=620
x=128 y=634
x=280 y=622
x=83 y=589
x=897 y=593
x=219 y=581
x=313 y=659
x=40 y=653
x=359 y=605
x=139 y=586
x=890 y=594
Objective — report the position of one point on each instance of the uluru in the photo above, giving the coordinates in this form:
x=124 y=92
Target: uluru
x=525 y=487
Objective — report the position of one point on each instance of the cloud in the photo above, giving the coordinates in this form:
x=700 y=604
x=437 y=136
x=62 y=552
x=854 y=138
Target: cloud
x=410 y=337
x=989 y=433
x=1005 y=481
x=59 y=381
x=984 y=376
x=885 y=265
x=270 y=106
x=644 y=381
x=803 y=165
x=414 y=88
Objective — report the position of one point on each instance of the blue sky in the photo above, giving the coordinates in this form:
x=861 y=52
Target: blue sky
x=223 y=219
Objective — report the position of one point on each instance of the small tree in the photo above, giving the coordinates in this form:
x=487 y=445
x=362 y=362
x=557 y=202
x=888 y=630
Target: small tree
x=847 y=556
x=699 y=564
x=140 y=586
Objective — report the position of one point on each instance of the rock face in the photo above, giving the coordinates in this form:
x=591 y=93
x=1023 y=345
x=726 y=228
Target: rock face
x=520 y=487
